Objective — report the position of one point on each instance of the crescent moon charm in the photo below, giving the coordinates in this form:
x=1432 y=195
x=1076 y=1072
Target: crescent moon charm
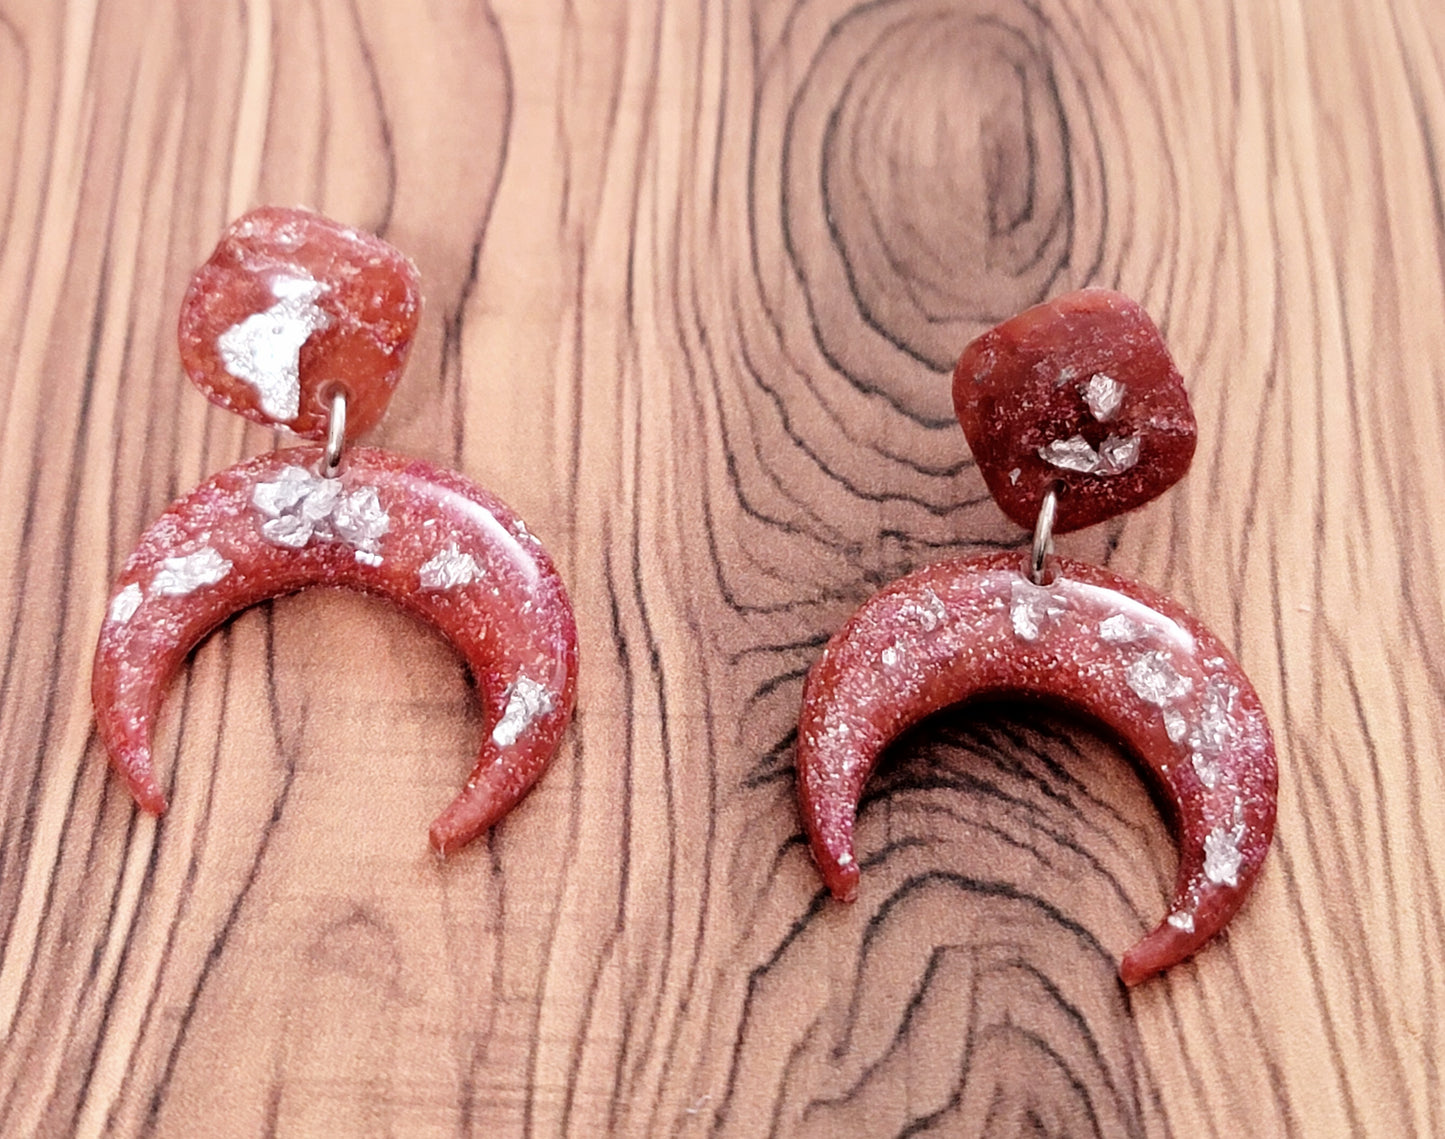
x=426 y=538
x=1129 y=657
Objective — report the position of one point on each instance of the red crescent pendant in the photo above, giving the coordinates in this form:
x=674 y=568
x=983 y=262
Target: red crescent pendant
x=1120 y=652
x=426 y=538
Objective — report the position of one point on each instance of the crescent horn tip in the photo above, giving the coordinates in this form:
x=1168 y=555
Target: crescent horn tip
x=840 y=875
x=446 y=836
x=150 y=798
x=477 y=808
x=135 y=768
x=1160 y=949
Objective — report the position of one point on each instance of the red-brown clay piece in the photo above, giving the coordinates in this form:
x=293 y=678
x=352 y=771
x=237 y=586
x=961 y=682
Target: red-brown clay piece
x=292 y=305
x=428 y=539
x=1079 y=392
x=1118 y=651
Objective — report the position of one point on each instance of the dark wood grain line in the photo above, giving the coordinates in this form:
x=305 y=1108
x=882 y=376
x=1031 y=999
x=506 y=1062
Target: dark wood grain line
x=67 y=528
x=1429 y=1051
x=452 y=323
x=14 y=42
x=388 y=146
x=155 y=1101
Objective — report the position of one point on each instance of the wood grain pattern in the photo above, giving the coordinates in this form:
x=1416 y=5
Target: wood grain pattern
x=696 y=275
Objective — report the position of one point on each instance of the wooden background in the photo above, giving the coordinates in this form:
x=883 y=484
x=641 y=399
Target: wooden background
x=696 y=276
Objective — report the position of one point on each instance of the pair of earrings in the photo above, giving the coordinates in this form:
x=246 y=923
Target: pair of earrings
x=1074 y=411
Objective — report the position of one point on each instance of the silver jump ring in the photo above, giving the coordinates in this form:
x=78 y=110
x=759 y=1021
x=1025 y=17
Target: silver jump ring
x=335 y=436
x=1043 y=535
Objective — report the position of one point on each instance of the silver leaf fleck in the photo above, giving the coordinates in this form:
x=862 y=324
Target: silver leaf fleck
x=1155 y=680
x=1117 y=455
x=1222 y=857
x=1032 y=608
x=1073 y=454
x=1175 y=724
x=189 y=572
x=928 y=613
x=1104 y=395
x=297 y=506
x=527 y=701
x=1213 y=732
x=449 y=569
x=1114 y=456
x=1182 y=921
x=1122 y=630
x=1207 y=768
x=289 y=530
x=264 y=349
x=124 y=604
x=283 y=493
x=359 y=519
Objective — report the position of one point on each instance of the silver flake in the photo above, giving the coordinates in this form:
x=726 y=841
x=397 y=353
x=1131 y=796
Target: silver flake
x=189 y=572
x=890 y=656
x=1175 y=724
x=264 y=349
x=359 y=520
x=1117 y=455
x=1013 y=476
x=282 y=494
x=1222 y=857
x=289 y=530
x=297 y=506
x=1032 y=608
x=1122 y=630
x=1073 y=454
x=1155 y=680
x=1207 y=768
x=1104 y=395
x=927 y=613
x=1114 y=456
x=449 y=569
x=1212 y=734
x=124 y=604
x=1182 y=921
x=528 y=700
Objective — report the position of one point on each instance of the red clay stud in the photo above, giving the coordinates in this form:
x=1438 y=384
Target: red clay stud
x=1079 y=392
x=292 y=305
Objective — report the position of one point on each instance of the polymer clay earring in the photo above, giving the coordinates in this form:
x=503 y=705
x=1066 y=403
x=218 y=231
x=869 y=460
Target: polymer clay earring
x=299 y=322
x=1075 y=413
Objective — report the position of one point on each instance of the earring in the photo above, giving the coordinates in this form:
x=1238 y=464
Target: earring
x=1075 y=413
x=300 y=322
